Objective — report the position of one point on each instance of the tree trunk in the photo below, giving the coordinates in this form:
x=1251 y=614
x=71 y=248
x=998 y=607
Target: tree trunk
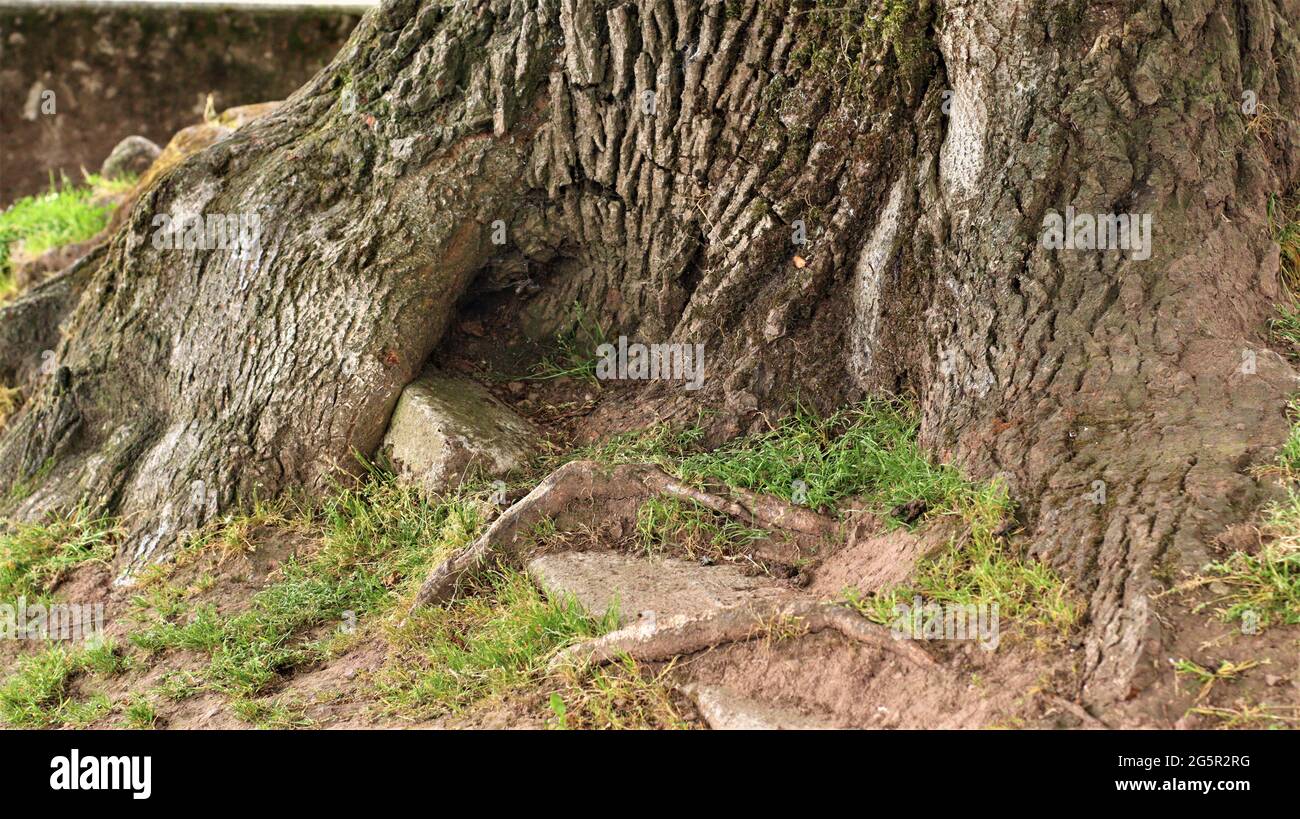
x=658 y=161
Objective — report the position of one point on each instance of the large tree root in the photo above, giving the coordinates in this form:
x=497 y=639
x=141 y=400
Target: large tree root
x=619 y=490
x=656 y=639
x=29 y=325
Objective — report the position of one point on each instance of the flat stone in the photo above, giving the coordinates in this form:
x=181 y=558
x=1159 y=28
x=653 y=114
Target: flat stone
x=444 y=426
x=725 y=710
x=639 y=586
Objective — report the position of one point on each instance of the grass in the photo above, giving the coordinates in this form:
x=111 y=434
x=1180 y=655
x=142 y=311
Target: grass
x=22 y=488
x=980 y=570
x=1226 y=671
x=179 y=685
x=374 y=540
x=1252 y=715
x=481 y=646
x=272 y=713
x=663 y=523
x=865 y=455
x=34 y=557
x=575 y=350
x=1285 y=326
x=37 y=695
x=867 y=451
x=620 y=696
x=365 y=549
x=64 y=214
x=1288 y=459
x=1264 y=586
x=140 y=713
x=375 y=543
x=663 y=445
x=1284 y=219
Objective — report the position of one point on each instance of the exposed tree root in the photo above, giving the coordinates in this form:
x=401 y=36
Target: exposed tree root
x=655 y=639
x=619 y=490
x=29 y=325
x=752 y=508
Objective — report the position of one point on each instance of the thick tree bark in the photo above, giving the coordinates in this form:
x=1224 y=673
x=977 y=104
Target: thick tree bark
x=655 y=158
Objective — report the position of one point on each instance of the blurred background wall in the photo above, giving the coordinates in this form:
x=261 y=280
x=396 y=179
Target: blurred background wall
x=122 y=68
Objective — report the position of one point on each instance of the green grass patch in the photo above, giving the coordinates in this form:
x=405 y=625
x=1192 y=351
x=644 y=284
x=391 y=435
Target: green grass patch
x=867 y=451
x=34 y=557
x=37 y=694
x=620 y=696
x=1284 y=219
x=272 y=712
x=1264 y=586
x=64 y=214
x=865 y=455
x=140 y=713
x=179 y=685
x=1288 y=458
x=664 y=522
x=375 y=541
x=981 y=568
x=480 y=646
x=1285 y=326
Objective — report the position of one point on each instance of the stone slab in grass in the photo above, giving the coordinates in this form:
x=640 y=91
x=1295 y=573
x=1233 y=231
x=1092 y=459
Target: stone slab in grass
x=639 y=585
x=446 y=426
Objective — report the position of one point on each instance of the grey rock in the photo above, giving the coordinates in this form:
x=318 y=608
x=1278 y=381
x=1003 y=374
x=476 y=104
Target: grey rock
x=725 y=710
x=642 y=588
x=445 y=426
x=132 y=155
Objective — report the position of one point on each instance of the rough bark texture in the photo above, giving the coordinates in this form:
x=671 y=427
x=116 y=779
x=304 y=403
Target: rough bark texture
x=188 y=383
x=1060 y=369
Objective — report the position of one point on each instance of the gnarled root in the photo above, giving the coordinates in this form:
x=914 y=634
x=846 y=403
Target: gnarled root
x=655 y=639
x=612 y=487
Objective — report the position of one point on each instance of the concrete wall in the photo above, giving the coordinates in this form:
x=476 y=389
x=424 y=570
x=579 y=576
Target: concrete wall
x=142 y=68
